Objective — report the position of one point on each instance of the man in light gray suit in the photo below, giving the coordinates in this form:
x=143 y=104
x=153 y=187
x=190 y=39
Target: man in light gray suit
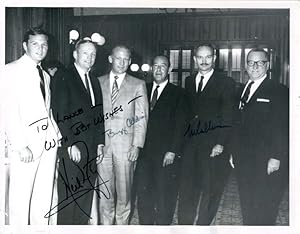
x=125 y=107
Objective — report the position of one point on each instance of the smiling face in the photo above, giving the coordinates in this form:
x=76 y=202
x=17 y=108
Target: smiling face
x=85 y=56
x=205 y=59
x=160 y=69
x=256 y=71
x=36 y=47
x=120 y=60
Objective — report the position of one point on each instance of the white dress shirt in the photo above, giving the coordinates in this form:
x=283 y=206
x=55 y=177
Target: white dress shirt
x=82 y=76
x=112 y=80
x=254 y=86
x=205 y=79
x=160 y=89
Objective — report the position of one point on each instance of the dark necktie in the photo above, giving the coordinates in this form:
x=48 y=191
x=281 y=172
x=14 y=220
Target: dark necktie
x=154 y=98
x=115 y=91
x=42 y=80
x=87 y=85
x=200 y=85
x=246 y=95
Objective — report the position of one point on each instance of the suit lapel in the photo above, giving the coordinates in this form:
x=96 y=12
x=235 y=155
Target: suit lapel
x=79 y=83
x=260 y=90
x=123 y=87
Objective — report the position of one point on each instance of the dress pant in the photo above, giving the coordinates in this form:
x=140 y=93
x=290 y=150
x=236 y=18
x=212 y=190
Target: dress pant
x=156 y=190
x=116 y=176
x=260 y=193
x=31 y=189
x=201 y=174
x=76 y=185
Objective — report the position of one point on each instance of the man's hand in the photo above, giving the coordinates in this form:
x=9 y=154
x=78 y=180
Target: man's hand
x=133 y=153
x=168 y=159
x=216 y=150
x=100 y=154
x=273 y=165
x=74 y=153
x=26 y=155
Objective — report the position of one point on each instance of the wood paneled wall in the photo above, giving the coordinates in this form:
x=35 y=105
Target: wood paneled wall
x=146 y=33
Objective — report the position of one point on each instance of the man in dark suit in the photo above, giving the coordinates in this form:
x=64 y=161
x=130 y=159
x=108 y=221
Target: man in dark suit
x=205 y=159
x=77 y=105
x=261 y=142
x=157 y=169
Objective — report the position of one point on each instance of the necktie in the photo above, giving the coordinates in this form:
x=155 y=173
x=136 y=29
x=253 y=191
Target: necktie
x=42 y=80
x=87 y=85
x=200 y=85
x=245 y=97
x=154 y=98
x=115 y=91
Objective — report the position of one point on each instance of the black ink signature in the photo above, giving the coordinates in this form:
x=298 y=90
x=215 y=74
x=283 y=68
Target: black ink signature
x=81 y=186
x=204 y=127
x=131 y=121
x=110 y=133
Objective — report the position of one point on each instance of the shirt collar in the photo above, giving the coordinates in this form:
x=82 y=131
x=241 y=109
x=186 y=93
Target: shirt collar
x=258 y=81
x=30 y=61
x=121 y=76
x=207 y=75
x=161 y=85
x=81 y=71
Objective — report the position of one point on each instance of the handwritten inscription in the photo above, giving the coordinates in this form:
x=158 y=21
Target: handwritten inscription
x=131 y=121
x=81 y=184
x=111 y=133
x=204 y=127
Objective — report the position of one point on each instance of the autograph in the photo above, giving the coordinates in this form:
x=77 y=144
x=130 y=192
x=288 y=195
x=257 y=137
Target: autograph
x=81 y=185
x=204 y=127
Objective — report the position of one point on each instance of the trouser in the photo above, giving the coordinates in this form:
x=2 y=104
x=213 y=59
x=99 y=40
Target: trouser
x=260 y=195
x=200 y=173
x=31 y=189
x=76 y=185
x=115 y=179
x=156 y=190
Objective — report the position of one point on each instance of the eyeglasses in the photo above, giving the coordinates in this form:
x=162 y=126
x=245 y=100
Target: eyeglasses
x=259 y=63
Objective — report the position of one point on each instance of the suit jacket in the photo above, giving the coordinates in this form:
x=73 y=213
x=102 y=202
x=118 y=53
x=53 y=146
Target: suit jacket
x=29 y=120
x=212 y=110
x=167 y=122
x=126 y=121
x=262 y=128
x=77 y=119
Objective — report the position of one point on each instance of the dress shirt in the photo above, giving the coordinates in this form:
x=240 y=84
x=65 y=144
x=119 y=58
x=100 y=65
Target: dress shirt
x=205 y=79
x=254 y=87
x=112 y=79
x=81 y=74
x=160 y=89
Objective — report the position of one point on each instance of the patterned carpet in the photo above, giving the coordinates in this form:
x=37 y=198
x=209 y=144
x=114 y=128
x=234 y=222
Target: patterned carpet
x=229 y=212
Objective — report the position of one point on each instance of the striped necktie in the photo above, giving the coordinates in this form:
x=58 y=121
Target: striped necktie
x=87 y=85
x=154 y=98
x=115 y=91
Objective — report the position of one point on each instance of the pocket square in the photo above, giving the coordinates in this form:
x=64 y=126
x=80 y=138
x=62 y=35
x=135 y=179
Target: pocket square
x=262 y=100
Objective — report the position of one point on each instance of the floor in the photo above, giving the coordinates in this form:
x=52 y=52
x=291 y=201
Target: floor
x=229 y=212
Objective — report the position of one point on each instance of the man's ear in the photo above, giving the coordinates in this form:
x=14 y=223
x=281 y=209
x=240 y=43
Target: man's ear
x=75 y=54
x=170 y=69
x=110 y=60
x=25 y=46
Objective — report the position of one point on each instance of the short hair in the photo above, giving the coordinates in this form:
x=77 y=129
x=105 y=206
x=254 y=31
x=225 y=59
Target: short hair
x=259 y=50
x=121 y=47
x=84 y=41
x=164 y=56
x=34 y=31
x=213 y=49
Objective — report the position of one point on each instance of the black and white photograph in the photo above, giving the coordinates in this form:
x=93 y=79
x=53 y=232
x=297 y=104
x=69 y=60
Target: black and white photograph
x=132 y=117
